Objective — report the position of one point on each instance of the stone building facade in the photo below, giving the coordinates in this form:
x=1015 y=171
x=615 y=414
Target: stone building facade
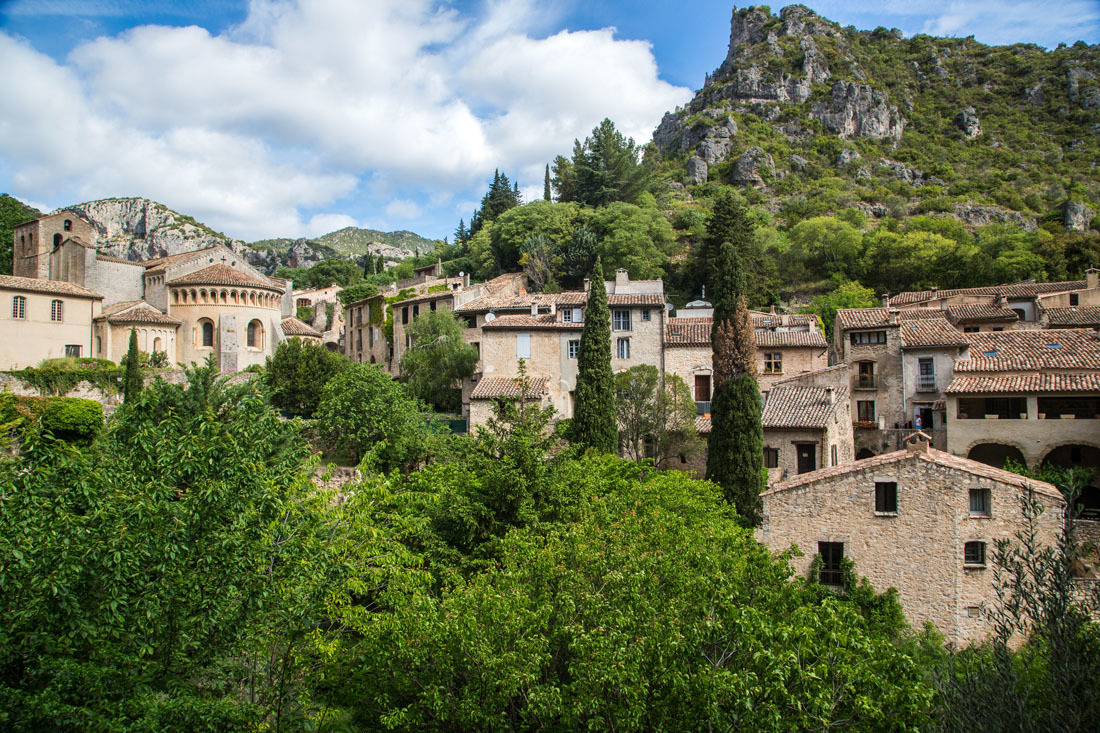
x=189 y=305
x=918 y=520
x=44 y=319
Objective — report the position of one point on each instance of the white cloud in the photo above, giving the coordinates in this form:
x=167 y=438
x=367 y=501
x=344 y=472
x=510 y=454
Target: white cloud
x=306 y=102
x=403 y=209
x=1013 y=22
x=324 y=223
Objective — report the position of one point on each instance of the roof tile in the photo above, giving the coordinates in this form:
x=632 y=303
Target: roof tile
x=52 y=287
x=222 y=275
x=1025 y=383
x=801 y=407
x=490 y=388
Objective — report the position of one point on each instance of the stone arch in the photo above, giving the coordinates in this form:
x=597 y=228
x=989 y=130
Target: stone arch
x=995 y=454
x=252 y=297
x=176 y=297
x=233 y=297
x=194 y=296
x=225 y=296
x=206 y=332
x=255 y=334
x=158 y=345
x=1085 y=455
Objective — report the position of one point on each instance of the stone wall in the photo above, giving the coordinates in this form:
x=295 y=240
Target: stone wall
x=918 y=550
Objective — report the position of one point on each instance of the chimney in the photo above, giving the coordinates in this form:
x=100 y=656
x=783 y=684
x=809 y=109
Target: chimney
x=1002 y=301
x=587 y=284
x=886 y=300
x=553 y=308
x=893 y=318
x=1092 y=278
x=830 y=396
x=917 y=443
x=621 y=278
x=771 y=309
x=534 y=307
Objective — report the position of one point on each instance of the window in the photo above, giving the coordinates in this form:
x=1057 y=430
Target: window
x=431 y=306
x=523 y=346
x=405 y=315
x=771 y=458
x=973 y=611
x=1020 y=313
x=974 y=553
x=865 y=410
x=620 y=320
x=831 y=572
x=645 y=314
x=773 y=362
x=56 y=310
x=970 y=329
x=574 y=348
x=979 y=502
x=807 y=457
x=567 y=315
x=863 y=338
x=72 y=350
x=1074 y=299
x=832 y=455
x=68 y=225
x=926 y=374
x=416 y=310
x=702 y=388
x=866 y=375
x=886 y=497
x=1004 y=408
x=207 y=333
x=255 y=334
x=359 y=341
x=18 y=307
x=623 y=349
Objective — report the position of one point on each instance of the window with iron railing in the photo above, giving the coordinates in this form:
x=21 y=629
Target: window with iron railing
x=926 y=374
x=865 y=375
x=831 y=572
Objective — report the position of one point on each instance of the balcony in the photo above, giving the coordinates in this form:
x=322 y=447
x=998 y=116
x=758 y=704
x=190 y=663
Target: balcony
x=702 y=408
x=926 y=384
x=865 y=381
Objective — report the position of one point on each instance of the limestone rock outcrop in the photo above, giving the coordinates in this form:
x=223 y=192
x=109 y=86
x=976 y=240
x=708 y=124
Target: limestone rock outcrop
x=857 y=110
x=697 y=170
x=967 y=121
x=748 y=167
x=982 y=216
x=1077 y=217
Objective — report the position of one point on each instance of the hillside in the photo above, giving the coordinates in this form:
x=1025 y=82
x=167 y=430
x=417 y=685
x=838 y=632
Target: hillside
x=350 y=243
x=812 y=118
x=13 y=212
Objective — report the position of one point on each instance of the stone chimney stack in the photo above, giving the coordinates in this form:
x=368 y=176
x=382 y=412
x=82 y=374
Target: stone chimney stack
x=622 y=278
x=893 y=317
x=917 y=443
x=1002 y=301
x=534 y=308
x=886 y=300
x=1092 y=278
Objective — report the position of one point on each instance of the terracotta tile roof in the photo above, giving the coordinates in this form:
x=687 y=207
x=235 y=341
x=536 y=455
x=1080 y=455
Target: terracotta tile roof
x=771 y=320
x=1013 y=290
x=688 y=331
x=51 y=287
x=1080 y=316
x=1018 y=383
x=136 y=311
x=223 y=275
x=544 y=321
x=809 y=339
x=930 y=332
x=979 y=312
x=510 y=301
x=490 y=388
x=801 y=407
x=636 y=299
x=159 y=263
x=932 y=456
x=293 y=327
x=500 y=281
x=1031 y=350
x=847 y=318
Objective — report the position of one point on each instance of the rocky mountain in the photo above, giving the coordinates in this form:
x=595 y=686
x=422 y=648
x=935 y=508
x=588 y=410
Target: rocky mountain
x=812 y=118
x=140 y=229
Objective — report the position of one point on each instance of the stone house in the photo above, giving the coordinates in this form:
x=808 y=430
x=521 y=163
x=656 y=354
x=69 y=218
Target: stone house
x=805 y=428
x=490 y=391
x=44 y=319
x=321 y=300
x=1029 y=396
x=188 y=305
x=919 y=520
x=544 y=330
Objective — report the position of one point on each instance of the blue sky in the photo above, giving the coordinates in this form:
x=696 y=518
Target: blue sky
x=296 y=117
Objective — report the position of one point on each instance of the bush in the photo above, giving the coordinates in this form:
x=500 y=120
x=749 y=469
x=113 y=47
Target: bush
x=71 y=418
x=297 y=372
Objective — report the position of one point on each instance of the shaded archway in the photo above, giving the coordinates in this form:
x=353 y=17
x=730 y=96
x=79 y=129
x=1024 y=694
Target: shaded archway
x=995 y=454
x=864 y=453
x=1075 y=455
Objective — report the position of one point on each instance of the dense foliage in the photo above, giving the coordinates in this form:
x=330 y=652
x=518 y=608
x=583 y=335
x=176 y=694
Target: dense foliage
x=656 y=417
x=296 y=375
x=13 y=212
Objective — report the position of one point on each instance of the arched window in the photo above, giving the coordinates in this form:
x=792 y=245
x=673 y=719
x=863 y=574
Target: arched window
x=56 y=241
x=157 y=345
x=207 y=327
x=68 y=225
x=255 y=334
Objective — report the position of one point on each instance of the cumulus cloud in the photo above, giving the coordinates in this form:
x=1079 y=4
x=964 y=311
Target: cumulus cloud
x=320 y=224
x=307 y=101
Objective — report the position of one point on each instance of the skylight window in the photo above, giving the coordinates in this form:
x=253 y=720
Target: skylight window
x=991 y=353
x=1054 y=346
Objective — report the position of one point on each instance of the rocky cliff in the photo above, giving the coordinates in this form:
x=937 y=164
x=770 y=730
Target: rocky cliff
x=891 y=125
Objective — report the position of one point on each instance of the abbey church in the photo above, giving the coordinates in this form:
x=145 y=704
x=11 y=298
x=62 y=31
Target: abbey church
x=67 y=298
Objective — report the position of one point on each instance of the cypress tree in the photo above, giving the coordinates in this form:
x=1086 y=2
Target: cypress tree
x=546 y=185
x=735 y=458
x=594 y=409
x=132 y=379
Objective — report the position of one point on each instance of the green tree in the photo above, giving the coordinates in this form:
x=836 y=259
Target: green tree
x=735 y=449
x=827 y=245
x=578 y=255
x=500 y=197
x=656 y=421
x=515 y=227
x=729 y=222
x=365 y=412
x=296 y=375
x=847 y=295
x=594 y=407
x=636 y=238
x=334 y=272
x=438 y=360
x=133 y=379
x=606 y=168
x=546 y=185
x=539 y=263
x=13 y=212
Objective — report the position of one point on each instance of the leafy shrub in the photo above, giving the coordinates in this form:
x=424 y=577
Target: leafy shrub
x=71 y=418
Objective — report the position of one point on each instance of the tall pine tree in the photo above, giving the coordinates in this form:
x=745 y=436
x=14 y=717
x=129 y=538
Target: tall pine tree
x=735 y=458
x=594 y=422
x=132 y=380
